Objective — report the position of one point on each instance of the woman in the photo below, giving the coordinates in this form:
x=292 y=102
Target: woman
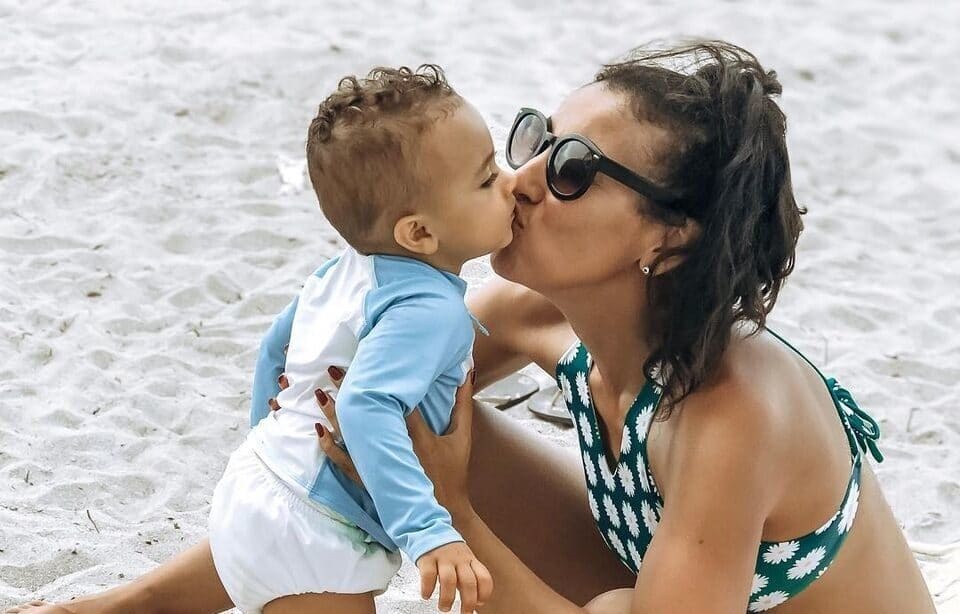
x=648 y=251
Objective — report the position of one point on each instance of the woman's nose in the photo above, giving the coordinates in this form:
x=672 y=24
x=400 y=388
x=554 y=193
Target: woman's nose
x=510 y=179
x=531 y=182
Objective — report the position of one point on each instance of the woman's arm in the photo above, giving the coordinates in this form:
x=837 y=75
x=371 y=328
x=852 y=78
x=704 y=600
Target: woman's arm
x=516 y=588
x=720 y=486
x=524 y=327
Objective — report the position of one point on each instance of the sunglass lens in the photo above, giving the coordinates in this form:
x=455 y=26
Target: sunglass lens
x=571 y=167
x=526 y=139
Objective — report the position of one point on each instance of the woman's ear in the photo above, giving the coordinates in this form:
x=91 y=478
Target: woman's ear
x=412 y=234
x=672 y=238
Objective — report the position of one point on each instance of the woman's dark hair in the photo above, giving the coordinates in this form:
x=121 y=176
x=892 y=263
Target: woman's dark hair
x=727 y=152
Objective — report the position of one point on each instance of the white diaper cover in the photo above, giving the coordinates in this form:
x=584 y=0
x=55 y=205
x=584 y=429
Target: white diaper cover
x=268 y=541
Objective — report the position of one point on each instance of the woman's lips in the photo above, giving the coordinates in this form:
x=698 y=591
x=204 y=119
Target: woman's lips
x=516 y=219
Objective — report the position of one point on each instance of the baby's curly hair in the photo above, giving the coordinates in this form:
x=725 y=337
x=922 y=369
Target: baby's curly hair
x=362 y=147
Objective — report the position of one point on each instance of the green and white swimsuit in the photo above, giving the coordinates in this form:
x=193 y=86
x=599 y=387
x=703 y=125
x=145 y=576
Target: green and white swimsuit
x=627 y=505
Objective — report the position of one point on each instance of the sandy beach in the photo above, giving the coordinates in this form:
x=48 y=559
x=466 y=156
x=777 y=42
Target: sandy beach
x=154 y=218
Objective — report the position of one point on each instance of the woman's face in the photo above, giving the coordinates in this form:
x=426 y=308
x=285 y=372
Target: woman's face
x=567 y=244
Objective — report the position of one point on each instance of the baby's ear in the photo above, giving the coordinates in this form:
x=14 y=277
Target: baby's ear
x=412 y=234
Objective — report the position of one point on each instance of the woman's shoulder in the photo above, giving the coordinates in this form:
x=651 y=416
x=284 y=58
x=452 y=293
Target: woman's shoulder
x=522 y=321
x=740 y=410
x=754 y=376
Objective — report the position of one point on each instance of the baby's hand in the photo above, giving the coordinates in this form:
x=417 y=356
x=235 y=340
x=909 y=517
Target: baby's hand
x=457 y=568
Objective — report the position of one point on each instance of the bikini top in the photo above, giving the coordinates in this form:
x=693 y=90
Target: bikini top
x=627 y=506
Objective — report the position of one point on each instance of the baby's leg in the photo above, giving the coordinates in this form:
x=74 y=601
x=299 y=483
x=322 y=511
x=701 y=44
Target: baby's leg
x=322 y=603
x=186 y=584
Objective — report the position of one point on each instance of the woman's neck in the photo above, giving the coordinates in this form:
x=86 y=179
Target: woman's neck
x=609 y=318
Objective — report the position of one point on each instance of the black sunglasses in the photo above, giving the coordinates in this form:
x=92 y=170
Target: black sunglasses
x=574 y=162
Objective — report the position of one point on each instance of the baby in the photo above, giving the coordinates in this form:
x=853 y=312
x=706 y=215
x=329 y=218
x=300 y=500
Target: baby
x=404 y=169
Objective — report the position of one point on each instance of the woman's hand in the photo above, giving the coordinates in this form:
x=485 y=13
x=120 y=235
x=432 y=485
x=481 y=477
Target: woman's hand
x=444 y=458
x=328 y=441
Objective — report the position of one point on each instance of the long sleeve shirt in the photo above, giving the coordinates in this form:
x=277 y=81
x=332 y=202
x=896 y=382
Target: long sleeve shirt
x=401 y=328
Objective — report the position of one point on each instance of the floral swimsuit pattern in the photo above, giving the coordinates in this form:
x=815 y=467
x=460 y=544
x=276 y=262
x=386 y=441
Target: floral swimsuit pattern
x=627 y=505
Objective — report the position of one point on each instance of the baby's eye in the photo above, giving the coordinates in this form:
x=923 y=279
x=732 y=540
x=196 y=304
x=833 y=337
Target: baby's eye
x=490 y=180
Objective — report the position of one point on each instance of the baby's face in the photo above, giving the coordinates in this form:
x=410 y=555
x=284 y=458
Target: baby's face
x=470 y=199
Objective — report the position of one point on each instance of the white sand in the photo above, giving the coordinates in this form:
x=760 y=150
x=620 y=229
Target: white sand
x=147 y=236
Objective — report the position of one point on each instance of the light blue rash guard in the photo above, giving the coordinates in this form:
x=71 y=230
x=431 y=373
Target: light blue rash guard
x=401 y=328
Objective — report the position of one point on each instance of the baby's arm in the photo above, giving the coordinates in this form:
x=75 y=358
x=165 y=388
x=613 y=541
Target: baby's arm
x=271 y=362
x=412 y=342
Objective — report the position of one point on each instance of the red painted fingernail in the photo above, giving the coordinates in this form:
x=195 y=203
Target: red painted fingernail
x=319 y=428
x=321 y=396
x=335 y=373
x=273 y=404
x=282 y=380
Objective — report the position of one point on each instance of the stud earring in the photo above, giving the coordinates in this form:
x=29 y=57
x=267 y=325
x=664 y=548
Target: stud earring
x=645 y=270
